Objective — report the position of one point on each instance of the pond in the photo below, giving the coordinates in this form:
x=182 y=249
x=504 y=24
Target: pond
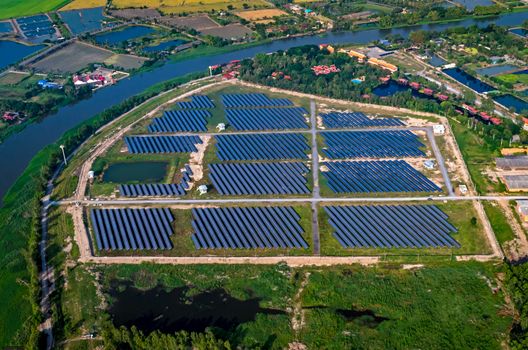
x=510 y=101
x=13 y=52
x=471 y=4
x=167 y=45
x=83 y=21
x=6 y=27
x=393 y=87
x=496 y=70
x=144 y=172
x=118 y=36
x=468 y=80
x=436 y=61
x=520 y=31
x=173 y=310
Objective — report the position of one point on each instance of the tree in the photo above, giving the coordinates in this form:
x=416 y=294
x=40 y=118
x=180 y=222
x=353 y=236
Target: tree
x=418 y=37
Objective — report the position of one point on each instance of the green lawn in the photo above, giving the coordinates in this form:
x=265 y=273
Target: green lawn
x=514 y=78
x=18 y=8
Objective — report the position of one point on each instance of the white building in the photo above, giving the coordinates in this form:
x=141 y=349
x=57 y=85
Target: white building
x=438 y=129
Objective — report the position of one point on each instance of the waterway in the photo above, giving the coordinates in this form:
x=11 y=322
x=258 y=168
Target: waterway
x=19 y=149
x=510 y=101
x=468 y=80
x=173 y=310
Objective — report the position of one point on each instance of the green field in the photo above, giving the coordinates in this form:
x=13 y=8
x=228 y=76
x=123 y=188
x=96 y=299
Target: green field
x=514 y=78
x=18 y=8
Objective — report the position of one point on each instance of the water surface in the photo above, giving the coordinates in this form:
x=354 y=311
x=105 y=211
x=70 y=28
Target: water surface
x=83 y=21
x=144 y=172
x=468 y=80
x=512 y=102
x=119 y=36
x=12 y=52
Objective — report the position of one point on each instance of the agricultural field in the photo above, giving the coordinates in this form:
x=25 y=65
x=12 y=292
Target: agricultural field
x=190 y=6
x=83 y=4
x=12 y=77
x=125 y=61
x=261 y=15
x=61 y=60
x=17 y=8
x=231 y=31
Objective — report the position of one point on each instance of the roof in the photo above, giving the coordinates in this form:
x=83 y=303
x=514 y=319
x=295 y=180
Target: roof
x=516 y=182
x=514 y=162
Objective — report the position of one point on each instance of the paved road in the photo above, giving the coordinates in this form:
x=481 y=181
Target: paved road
x=176 y=201
x=316 y=193
x=440 y=161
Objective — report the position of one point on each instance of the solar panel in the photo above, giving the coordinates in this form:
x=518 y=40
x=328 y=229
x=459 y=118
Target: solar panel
x=162 y=144
x=357 y=120
x=262 y=147
x=253 y=100
x=180 y=121
x=267 y=118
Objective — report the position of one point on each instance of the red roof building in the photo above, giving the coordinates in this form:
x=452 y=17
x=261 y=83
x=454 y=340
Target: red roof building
x=402 y=81
x=485 y=116
x=442 y=97
x=428 y=92
x=414 y=85
x=495 y=121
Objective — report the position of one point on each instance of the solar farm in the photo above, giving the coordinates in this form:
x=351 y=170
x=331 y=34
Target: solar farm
x=254 y=186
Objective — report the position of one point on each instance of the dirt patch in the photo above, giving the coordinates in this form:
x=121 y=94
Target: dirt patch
x=196 y=159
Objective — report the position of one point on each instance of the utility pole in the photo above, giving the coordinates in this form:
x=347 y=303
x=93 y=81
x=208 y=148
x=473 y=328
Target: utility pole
x=63 y=154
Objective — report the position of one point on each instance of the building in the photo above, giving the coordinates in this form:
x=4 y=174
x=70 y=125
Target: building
x=463 y=189
x=512 y=163
x=221 y=127
x=202 y=189
x=43 y=83
x=10 y=116
x=429 y=164
x=522 y=209
x=516 y=183
x=383 y=64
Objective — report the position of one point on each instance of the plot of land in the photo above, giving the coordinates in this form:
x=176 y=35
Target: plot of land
x=189 y=6
x=17 y=8
x=135 y=13
x=257 y=15
x=230 y=31
x=198 y=23
x=83 y=4
x=72 y=58
x=12 y=77
x=126 y=61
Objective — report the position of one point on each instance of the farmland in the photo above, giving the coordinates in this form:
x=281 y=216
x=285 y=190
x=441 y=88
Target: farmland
x=257 y=15
x=17 y=8
x=191 y=6
x=83 y=4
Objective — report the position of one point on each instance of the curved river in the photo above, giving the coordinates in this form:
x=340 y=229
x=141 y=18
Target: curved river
x=17 y=151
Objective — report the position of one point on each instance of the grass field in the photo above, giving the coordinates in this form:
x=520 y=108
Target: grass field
x=83 y=4
x=256 y=15
x=126 y=61
x=13 y=77
x=189 y=6
x=18 y=8
x=514 y=78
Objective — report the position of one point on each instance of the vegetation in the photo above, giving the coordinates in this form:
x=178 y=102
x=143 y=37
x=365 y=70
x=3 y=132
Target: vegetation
x=517 y=282
x=17 y=8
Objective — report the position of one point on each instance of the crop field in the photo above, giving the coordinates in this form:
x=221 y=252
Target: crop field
x=188 y=6
x=230 y=31
x=198 y=22
x=61 y=60
x=83 y=4
x=125 y=61
x=10 y=78
x=256 y=15
x=17 y=8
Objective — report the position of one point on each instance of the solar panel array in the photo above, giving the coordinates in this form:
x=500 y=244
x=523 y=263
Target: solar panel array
x=159 y=190
x=137 y=229
x=253 y=100
x=36 y=26
x=372 y=144
x=254 y=227
x=259 y=178
x=261 y=147
x=376 y=176
x=391 y=226
x=267 y=118
x=197 y=101
x=357 y=120
x=181 y=120
x=162 y=144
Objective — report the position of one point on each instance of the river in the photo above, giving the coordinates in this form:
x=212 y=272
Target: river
x=19 y=149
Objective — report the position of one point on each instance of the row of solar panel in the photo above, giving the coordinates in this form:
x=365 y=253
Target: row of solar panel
x=180 y=120
x=159 y=190
x=357 y=120
x=255 y=227
x=259 y=178
x=197 y=101
x=32 y=19
x=372 y=144
x=261 y=147
x=376 y=176
x=125 y=229
x=162 y=144
x=253 y=100
x=267 y=118
x=391 y=226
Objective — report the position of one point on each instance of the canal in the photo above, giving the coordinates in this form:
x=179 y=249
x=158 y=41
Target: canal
x=19 y=149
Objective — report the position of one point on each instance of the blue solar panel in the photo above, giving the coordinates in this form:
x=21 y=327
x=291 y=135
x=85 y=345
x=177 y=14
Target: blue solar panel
x=197 y=101
x=261 y=147
x=267 y=118
x=259 y=178
x=357 y=120
x=376 y=176
x=162 y=144
x=253 y=227
x=159 y=190
x=125 y=229
x=181 y=120
x=372 y=144
x=391 y=226
x=253 y=100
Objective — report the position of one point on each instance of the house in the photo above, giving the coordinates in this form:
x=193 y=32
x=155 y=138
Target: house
x=383 y=64
x=43 y=83
x=463 y=189
x=10 y=116
x=414 y=85
x=202 y=189
x=221 y=127
x=522 y=209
